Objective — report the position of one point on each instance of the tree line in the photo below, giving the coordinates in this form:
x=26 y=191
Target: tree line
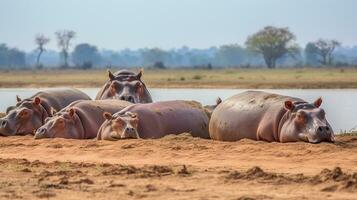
x=270 y=47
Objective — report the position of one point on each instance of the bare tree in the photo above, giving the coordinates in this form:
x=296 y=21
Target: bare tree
x=325 y=48
x=64 y=38
x=273 y=43
x=40 y=41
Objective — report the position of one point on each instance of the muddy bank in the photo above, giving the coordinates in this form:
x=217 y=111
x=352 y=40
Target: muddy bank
x=177 y=167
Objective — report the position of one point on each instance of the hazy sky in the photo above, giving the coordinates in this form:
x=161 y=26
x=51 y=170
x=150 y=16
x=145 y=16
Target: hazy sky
x=118 y=24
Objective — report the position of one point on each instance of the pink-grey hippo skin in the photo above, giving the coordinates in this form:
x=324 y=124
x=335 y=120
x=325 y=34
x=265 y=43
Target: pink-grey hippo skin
x=155 y=120
x=125 y=85
x=29 y=114
x=79 y=120
x=270 y=117
x=210 y=108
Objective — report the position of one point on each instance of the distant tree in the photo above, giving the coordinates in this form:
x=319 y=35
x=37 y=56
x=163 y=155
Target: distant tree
x=85 y=55
x=3 y=55
x=40 y=41
x=64 y=38
x=324 y=49
x=11 y=57
x=311 y=54
x=230 y=55
x=159 y=65
x=272 y=43
x=152 y=56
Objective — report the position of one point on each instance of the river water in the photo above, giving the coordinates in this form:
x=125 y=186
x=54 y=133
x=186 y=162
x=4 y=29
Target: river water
x=339 y=104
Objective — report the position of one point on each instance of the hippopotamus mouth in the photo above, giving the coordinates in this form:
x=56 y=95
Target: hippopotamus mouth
x=327 y=137
x=118 y=137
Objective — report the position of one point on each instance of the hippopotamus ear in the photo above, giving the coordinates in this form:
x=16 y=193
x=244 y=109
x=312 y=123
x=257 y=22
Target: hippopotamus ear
x=107 y=115
x=18 y=99
x=318 y=102
x=111 y=75
x=139 y=75
x=132 y=115
x=72 y=111
x=37 y=101
x=289 y=105
x=218 y=101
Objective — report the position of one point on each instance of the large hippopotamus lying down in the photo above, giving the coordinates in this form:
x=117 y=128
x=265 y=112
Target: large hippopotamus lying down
x=155 y=120
x=269 y=117
x=125 y=85
x=29 y=114
x=79 y=120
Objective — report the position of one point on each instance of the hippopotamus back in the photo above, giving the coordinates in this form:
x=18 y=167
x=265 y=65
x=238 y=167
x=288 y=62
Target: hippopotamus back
x=269 y=117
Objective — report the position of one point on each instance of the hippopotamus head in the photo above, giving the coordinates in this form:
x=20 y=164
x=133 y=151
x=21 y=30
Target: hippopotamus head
x=65 y=124
x=127 y=87
x=306 y=122
x=120 y=126
x=24 y=118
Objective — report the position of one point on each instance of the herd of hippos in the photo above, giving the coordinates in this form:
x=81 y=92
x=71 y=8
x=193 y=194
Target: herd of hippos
x=123 y=109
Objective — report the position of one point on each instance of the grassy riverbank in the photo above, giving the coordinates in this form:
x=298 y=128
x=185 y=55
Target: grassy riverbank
x=225 y=78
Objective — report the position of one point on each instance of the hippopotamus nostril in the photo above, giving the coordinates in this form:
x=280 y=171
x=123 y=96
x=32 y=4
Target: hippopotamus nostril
x=320 y=129
x=41 y=131
x=122 y=98
x=3 y=124
x=130 y=99
x=327 y=128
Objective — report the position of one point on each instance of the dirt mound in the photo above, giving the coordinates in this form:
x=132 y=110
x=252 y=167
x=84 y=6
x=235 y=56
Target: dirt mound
x=145 y=172
x=344 y=181
x=339 y=179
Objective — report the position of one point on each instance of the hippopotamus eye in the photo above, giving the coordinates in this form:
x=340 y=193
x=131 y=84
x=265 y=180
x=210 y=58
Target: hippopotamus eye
x=23 y=113
x=300 y=116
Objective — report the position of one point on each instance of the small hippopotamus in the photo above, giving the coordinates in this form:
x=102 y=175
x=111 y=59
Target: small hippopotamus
x=29 y=114
x=79 y=120
x=270 y=117
x=155 y=120
x=125 y=85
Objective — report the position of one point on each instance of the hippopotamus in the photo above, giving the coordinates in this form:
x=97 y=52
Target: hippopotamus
x=270 y=117
x=29 y=114
x=79 y=120
x=125 y=85
x=155 y=120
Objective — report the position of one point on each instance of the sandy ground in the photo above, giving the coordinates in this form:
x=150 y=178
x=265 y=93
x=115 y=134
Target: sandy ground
x=176 y=167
